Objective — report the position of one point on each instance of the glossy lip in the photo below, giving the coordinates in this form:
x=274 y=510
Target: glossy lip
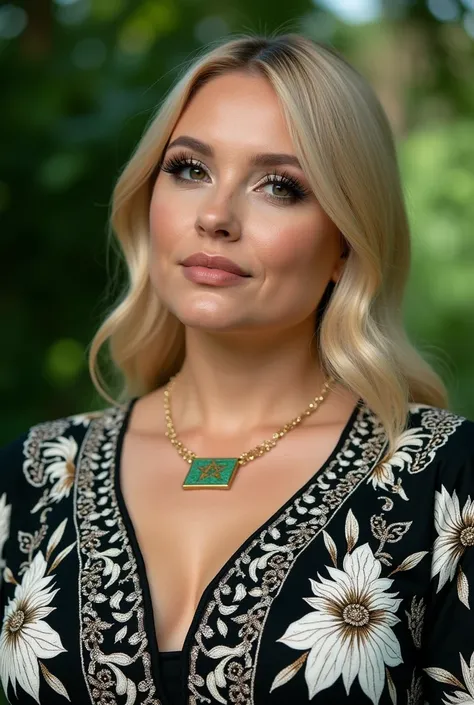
x=201 y=259
x=211 y=277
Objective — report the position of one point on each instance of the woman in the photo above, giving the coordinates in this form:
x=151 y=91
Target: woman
x=328 y=556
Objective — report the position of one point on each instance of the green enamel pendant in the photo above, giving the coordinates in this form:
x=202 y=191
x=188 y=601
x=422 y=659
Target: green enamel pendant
x=211 y=473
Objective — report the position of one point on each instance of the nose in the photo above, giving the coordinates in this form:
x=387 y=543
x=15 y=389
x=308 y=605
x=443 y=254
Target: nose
x=217 y=217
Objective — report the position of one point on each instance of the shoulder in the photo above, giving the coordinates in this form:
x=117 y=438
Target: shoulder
x=25 y=454
x=442 y=439
x=441 y=428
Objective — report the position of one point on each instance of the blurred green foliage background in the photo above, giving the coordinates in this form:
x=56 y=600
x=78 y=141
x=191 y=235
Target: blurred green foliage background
x=79 y=81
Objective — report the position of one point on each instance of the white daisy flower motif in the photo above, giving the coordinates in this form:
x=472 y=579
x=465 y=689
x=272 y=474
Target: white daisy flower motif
x=62 y=471
x=25 y=636
x=5 y=512
x=350 y=631
x=455 y=534
x=383 y=476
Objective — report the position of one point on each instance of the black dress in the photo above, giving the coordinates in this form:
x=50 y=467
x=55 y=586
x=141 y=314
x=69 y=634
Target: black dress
x=358 y=590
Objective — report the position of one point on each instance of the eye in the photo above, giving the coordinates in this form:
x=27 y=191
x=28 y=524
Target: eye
x=180 y=164
x=284 y=188
x=279 y=189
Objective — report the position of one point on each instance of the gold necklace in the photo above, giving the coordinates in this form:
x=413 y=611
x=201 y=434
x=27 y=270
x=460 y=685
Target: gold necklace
x=218 y=473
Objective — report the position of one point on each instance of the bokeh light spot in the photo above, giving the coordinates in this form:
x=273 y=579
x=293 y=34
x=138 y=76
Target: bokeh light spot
x=61 y=171
x=444 y=10
x=468 y=23
x=72 y=13
x=64 y=361
x=106 y=10
x=150 y=21
x=13 y=21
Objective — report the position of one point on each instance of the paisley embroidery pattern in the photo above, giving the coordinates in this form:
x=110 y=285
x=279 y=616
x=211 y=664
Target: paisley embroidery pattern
x=72 y=462
x=270 y=557
x=267 y=561
x=111 y=596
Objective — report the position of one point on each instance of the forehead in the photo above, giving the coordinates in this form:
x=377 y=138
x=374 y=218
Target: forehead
x=236 y=109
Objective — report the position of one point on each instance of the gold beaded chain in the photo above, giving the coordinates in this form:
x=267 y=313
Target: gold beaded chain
x=219 y=472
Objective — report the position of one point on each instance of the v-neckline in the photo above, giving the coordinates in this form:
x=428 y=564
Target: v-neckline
x=148 y=616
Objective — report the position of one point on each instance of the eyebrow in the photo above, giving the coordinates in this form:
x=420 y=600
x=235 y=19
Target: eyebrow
x=258 y=160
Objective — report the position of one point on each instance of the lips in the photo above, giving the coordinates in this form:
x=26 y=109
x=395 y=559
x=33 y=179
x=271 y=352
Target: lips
x=201 y=259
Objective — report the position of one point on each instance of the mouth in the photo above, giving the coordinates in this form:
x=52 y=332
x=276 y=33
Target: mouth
x=212 y=276
x=214 y=262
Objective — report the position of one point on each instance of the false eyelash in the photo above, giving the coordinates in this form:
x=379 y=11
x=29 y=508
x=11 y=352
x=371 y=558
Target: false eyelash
x=287 y=180
x=178 y=161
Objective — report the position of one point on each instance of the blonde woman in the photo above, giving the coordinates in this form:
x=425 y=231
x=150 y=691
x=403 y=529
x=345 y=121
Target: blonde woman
x=276 y=508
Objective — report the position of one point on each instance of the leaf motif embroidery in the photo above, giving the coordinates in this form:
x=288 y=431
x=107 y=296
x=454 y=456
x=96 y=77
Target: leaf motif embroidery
x=61 y=555
x=287 y=673
x=331 y=547
x=397 y=530
x=56 y=537
x=53 y=682
x=442 y=676
x=410 y=562
x=416 y=618
x=391 y=533
x=463 y=588
x=378 y=526
x=222 y=627
x=352 y=531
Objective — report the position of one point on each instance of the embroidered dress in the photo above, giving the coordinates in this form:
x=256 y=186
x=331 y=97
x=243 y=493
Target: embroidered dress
x=358 y=590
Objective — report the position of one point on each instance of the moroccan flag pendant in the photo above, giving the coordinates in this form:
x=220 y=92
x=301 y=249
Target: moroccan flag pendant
x=211 y=473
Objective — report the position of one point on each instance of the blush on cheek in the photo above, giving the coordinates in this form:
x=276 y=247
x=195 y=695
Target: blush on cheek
x=295 y=248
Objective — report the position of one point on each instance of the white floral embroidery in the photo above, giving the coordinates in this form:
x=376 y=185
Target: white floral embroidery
x=383 y=476
x=464 y=696
x=349 y=632
x=84 y=419
x=225 y=651
x=26 y=637
x=265 y=563
x=455 y=534
x=5 y=512
x=61 y=472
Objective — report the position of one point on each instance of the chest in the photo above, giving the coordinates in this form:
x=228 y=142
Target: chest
x=251 y=576
x=187 y=536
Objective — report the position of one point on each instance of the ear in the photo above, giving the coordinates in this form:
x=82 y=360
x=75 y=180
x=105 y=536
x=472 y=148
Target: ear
x=341 y=262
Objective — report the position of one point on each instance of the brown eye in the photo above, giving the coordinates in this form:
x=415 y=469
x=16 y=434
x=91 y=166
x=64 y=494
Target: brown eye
x=197 y=173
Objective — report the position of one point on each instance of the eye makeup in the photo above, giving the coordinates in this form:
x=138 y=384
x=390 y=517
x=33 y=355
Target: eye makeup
x=178 y=163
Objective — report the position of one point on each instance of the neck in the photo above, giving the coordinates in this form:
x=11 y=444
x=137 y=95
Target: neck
x=222 y=391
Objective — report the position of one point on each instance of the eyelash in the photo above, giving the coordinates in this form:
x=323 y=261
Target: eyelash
x=177 y=162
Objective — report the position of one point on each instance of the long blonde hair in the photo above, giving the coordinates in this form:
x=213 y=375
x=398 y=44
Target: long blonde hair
x=345 y=144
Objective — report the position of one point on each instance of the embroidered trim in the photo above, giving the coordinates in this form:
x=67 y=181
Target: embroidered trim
x=111 y=601
x=267 y=561
x=441 y=423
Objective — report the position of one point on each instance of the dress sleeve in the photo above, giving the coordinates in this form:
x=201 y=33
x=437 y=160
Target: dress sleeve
x=10 y=472
x=448 y=637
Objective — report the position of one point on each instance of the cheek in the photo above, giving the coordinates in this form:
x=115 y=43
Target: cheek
x=304 y=245
x=166 y=219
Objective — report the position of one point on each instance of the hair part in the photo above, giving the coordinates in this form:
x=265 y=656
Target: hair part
x=345 y=145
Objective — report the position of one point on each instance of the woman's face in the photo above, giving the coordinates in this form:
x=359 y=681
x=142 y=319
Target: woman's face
x=213 y=196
